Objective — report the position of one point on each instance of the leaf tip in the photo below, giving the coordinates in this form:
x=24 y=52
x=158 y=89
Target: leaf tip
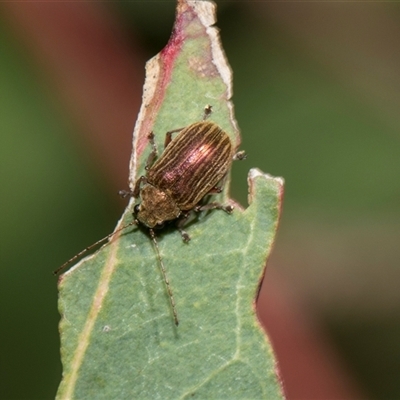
x=275 y=183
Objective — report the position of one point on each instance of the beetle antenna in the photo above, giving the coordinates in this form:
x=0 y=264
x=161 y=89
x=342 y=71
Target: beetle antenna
x=164 y=273
x=81 y=253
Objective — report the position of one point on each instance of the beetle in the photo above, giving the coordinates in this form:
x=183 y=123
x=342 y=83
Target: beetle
x=190 y=167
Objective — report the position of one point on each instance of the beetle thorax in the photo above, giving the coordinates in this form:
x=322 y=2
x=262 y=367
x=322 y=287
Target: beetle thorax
x=156 y=207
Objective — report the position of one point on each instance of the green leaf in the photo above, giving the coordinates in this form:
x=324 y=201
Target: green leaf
x=118 y=336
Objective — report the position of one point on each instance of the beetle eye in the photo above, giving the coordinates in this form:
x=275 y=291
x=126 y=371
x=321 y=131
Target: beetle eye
x=136 y=209
x=160 y=225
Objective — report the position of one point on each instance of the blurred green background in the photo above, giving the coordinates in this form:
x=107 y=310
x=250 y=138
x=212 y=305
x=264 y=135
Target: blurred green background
x=316 y=94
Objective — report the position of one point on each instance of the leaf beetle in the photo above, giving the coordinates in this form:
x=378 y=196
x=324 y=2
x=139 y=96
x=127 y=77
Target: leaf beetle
x=175 y=184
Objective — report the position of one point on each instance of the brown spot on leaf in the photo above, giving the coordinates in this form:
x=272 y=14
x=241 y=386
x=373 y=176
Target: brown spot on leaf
x=203 y=67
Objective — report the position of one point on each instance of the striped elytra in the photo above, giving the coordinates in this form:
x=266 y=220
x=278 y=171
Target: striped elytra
x=189 y=168
x=192 y=164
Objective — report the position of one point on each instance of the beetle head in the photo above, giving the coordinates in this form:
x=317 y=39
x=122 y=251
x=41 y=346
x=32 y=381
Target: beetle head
x=156 y=207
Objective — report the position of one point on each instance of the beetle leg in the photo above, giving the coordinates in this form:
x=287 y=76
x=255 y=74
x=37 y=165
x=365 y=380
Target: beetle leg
x=180 y=223
x=168 y=136
x=207 y=111
x=214 y=205
x=150 y=159
x=220 y=188
x=153 y=154
x=215 y=190
x=185 y=235
x=125 y=193
x=136 y=189
x=240 y=155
